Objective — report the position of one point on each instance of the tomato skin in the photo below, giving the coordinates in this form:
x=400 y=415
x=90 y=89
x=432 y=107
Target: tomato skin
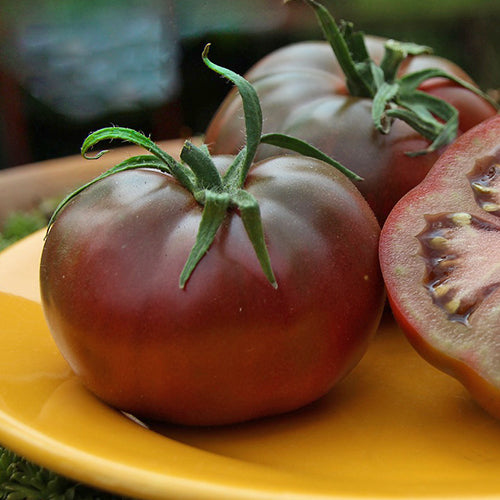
x=469 y=352
x=228 y=347
x=302 y=93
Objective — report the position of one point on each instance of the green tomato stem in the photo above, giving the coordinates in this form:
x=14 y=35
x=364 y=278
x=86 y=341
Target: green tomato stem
x=202 y=165
x=197 y=173
x=393 y=97
x=395 y=53
x=305 y=149
x=252 y=112
x=356 y=83
x=214 y=212
x=250 y=215
x=179 y=171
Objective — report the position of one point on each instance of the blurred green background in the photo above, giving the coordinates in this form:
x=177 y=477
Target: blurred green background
x=68 y=68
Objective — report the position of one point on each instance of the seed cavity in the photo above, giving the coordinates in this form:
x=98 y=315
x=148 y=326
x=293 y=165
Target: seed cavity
x=462 y=259
x=485 y=183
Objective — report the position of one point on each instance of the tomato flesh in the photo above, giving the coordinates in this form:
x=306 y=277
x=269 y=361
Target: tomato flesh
x=440 y=258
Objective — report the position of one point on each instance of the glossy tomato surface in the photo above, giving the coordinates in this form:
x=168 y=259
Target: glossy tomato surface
x=302 y=92
x=440 y=257
x=228 y=347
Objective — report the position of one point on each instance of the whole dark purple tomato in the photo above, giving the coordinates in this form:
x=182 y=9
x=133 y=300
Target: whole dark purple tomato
x=212 y=290
x=229 y=346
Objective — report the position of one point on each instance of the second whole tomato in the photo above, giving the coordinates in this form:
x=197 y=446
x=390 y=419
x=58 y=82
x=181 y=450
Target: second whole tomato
x=305 y=91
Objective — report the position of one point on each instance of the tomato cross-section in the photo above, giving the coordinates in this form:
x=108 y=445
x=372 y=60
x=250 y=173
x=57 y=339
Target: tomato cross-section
x=440 y=258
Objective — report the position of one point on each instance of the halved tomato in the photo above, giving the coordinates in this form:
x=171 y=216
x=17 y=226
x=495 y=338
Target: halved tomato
x=440 y=257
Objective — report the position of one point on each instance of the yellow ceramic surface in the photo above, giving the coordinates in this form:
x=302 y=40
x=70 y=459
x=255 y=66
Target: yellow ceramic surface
x=396 y=428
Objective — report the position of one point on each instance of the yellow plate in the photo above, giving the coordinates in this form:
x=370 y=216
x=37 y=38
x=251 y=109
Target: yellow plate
x=395 y=428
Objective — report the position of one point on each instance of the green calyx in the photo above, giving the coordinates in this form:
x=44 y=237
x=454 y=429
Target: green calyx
x=197 y=173
x=393 y=97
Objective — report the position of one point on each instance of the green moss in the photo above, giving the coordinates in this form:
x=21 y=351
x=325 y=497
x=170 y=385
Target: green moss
x=22 y=480
x=18 y=225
